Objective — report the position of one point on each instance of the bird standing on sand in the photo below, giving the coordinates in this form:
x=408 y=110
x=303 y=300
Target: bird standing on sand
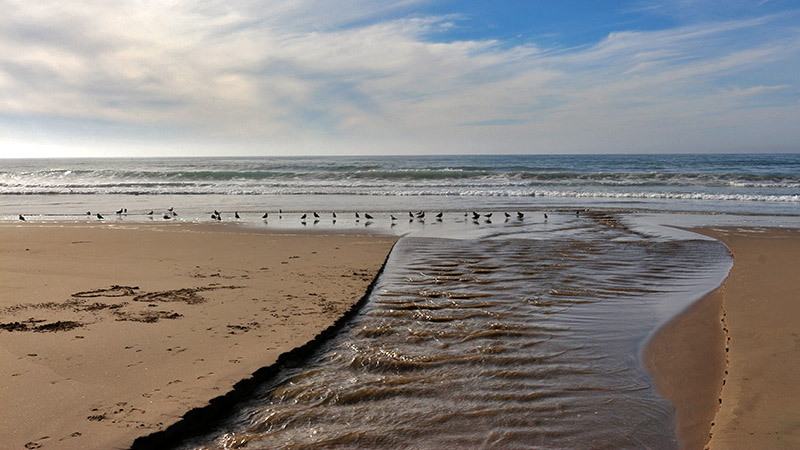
x=213 y=216
x=369 y=217
x=475 y=216
x=545 y=216
x=520 y=215
x=119 y=211
x=236 y=214
x=266 y=214
x=393 y=217
x=99 y=216
x=439 y=216
x=303 y=217
x=507 y=215
x=334 y=214
x=316 y=216
x=21 y=218
x=150 y=213
x=167 y=217
x=488 y=216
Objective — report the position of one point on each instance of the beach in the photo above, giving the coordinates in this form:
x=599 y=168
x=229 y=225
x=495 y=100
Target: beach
x=514 y=309
x=114 y=331
x=729 y=363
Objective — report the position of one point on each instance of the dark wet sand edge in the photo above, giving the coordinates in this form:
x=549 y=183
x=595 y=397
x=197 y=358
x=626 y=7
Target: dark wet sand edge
x=198 y=421
x=687 y=360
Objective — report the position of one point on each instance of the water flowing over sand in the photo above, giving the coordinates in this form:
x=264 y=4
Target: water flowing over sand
x=525 y=337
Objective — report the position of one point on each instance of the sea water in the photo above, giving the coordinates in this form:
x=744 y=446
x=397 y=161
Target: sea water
x=751 y=184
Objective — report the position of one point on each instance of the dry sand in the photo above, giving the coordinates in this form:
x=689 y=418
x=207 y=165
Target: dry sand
x=112 y=332
x=756 y=311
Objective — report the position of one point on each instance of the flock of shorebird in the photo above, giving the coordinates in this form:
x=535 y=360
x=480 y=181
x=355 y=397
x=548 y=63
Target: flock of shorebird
x=418 y=216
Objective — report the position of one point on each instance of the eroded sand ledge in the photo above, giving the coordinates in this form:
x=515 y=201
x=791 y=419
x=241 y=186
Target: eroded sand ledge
x=114 y=332
x=749 y=338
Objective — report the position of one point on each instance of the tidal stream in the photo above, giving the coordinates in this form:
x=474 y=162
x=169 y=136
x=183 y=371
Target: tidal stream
x=527 y=336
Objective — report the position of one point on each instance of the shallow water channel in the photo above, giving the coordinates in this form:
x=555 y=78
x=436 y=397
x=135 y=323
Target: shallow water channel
x=526 y=336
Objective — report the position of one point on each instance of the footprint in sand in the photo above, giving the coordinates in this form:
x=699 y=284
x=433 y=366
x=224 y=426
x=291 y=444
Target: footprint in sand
x=34 y=444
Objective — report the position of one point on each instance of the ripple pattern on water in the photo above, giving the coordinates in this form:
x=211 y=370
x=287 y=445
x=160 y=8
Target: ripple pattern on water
x=505 y=342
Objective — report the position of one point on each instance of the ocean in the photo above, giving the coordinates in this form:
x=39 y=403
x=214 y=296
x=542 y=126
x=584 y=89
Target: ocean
x=514 y=320
x=740 y=184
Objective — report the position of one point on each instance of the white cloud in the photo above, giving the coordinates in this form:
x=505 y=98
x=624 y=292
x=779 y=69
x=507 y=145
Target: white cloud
x=303 y=75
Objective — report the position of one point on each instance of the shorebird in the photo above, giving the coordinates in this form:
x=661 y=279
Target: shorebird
x=213 y=216
x=219 y=218
x=303 y=217
x=216 y=213
x=119 y=211
x=439 y=216
x=334 y=214
x=357 y=216
x=170 y=209
x=577 y=212
x=520 y=215
x=421 y=215
x=475 y=215
x=367 y=216
x=488 y=216
x=167 y=217
x=88 y=213
x=236 y=215
x=150 y=213
x=21 y=218
x=545 y=216
x=410 y=214
x=174 y=214
x=99 y=216
x=393 y=217
x=316 y=216
x=266 y=214
x=507 y=215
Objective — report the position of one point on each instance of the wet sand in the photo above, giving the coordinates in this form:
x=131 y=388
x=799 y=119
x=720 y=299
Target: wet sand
x=111 y=332
x=738 y=349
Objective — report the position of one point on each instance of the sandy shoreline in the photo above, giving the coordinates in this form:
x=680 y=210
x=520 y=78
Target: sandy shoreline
x=112 y=332
x=109 y=332
x=729 y=363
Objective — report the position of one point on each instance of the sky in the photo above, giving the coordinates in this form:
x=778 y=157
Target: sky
x=366 y=77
